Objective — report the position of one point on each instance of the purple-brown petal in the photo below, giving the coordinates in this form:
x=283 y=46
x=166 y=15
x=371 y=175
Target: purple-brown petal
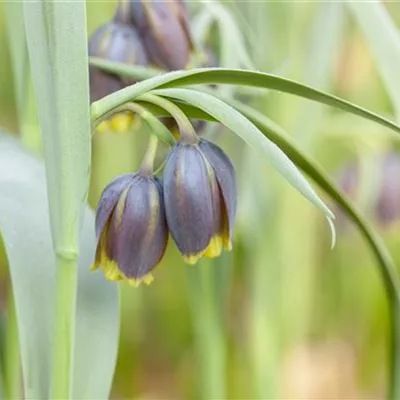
x=115 y=42
x=226 y=177
x=109 y=199
x=164 y=33
x=187 y=198
x=138 y=231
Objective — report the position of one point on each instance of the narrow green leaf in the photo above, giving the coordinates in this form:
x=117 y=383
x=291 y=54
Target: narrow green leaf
x=383 y=38
x=207 y=76
x=240 y=125
x=24 y=227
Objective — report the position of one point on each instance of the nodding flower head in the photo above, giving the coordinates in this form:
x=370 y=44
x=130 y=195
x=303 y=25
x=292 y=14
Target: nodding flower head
x=200 y=199
x=164 y=28
x=131 y=229
x=115 y=42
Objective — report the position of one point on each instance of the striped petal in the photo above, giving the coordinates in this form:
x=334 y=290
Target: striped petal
x=188 y=202
x=226 y=177
x=138 y=232
x=109 y=200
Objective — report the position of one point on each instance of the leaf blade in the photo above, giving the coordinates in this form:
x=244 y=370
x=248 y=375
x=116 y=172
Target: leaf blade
x=206 y=76
x=24 y=226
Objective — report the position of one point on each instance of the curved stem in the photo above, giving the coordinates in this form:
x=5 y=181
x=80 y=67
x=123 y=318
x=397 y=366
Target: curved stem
x=188 y=134
x=147 y=166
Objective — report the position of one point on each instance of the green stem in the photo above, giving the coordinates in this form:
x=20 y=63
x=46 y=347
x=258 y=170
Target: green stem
x=394 y=351
x=12 y=363
x=209 y=338
x=188 y=134
x=64 y=327
x=147 y=166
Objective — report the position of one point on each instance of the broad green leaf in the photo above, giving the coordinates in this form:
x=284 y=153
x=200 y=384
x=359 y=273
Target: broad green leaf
x=56 y=35
x=57 y=44
x=383 y=38
x=239 y=124
x=24 y=227
x=226 y=76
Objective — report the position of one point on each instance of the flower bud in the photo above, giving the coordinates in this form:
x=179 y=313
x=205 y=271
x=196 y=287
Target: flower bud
x=200 y=199
x=131 y=229
x=164 y=29
x=115 y=42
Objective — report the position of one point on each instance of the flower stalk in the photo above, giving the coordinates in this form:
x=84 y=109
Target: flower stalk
x=187 y=132
x=147 y=166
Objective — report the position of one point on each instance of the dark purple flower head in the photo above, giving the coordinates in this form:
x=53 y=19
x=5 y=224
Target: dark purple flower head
x=131 y=229
x=200 y=199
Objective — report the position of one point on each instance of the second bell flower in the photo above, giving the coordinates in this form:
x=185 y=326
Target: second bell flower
x=131 y=229
x=200 y=199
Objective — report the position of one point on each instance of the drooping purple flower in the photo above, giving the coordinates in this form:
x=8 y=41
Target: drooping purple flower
x=131 y=229
x=200 y=199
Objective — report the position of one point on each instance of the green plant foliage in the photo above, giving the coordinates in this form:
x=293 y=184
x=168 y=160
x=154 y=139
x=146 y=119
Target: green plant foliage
x=206 y=76
x=24 y=226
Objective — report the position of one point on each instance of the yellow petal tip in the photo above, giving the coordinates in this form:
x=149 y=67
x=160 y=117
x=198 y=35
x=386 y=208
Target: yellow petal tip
x=192 y=258
x=214 y=248
x=147 y=279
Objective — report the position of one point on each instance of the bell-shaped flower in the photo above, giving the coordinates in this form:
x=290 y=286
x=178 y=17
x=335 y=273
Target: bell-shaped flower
x=131 y=228
x=200 y=199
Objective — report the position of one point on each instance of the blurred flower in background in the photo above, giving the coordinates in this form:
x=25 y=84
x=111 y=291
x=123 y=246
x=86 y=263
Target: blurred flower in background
x=375 y=187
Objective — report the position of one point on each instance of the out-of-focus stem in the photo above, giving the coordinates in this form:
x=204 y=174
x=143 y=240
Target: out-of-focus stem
x=209 y=339
x=12 y=363
x=67 y=269
x=394 y=351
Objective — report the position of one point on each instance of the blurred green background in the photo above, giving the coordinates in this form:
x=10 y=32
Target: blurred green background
x=282 y=315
